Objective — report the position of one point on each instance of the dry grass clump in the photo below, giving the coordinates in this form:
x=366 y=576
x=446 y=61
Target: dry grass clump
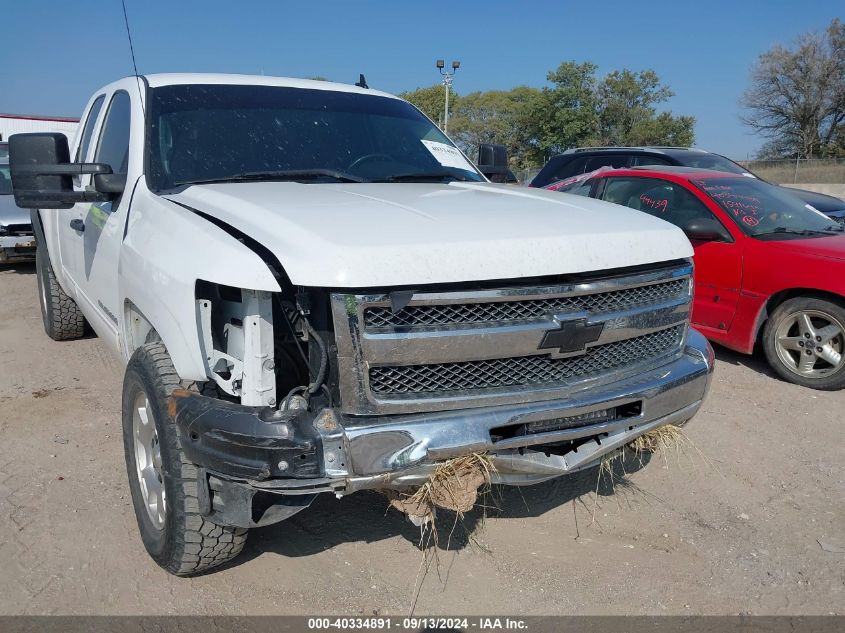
x=662 y=438
x=666 y=441
x=454 y=485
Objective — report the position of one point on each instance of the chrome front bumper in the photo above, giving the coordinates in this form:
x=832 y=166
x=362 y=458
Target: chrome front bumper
x=303 y=453
x=398 y=451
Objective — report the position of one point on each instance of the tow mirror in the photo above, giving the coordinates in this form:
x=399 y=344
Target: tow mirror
x=707 y=229
x=492 y=159
x=41 y=173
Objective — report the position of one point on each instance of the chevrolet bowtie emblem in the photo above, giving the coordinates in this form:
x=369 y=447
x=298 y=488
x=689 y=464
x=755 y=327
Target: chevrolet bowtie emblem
x=571 y=336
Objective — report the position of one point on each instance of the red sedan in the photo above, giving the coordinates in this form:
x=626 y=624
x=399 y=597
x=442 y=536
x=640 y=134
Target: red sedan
x=768 y=268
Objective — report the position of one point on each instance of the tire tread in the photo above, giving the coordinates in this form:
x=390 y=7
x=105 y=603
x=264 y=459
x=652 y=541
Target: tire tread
x=198 y=544
x=63 y=320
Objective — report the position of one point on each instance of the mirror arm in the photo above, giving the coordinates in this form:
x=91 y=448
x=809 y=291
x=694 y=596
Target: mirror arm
x=66 y=169
x=73 y=197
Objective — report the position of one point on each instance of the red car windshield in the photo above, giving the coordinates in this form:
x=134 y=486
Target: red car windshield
x=759 y=208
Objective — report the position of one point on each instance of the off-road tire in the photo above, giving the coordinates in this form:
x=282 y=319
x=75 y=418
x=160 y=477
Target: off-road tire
x=187 y=544
x=63 y=321
x=784 y=311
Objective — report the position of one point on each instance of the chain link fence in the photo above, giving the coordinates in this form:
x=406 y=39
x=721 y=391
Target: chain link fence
x=527 y=175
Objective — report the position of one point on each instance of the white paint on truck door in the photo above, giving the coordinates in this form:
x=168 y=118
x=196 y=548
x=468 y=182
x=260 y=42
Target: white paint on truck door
x=104 y=222
x=70 y=221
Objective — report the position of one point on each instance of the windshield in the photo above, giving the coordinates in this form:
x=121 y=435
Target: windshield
x=759 y=208
x=5 y=177
x=239 y=132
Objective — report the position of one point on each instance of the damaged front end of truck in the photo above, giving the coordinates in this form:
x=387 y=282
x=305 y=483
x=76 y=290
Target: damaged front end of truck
x=337 y=390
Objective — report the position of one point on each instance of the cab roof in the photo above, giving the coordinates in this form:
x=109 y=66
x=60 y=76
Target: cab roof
x=172 y=79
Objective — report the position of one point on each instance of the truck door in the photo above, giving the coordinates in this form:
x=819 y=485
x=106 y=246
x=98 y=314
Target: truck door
x=103 y=222
x=68 y=222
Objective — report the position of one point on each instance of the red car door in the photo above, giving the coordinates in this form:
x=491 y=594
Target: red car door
x=718 y=264
x=718 y=282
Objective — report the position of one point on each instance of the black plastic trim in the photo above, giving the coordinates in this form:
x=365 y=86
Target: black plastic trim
x=253 y=443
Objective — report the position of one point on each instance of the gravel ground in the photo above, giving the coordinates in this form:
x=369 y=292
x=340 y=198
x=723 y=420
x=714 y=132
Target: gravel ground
x=754 y=524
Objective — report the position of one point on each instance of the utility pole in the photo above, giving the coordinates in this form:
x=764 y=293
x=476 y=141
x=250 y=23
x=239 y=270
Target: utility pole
x=447 y=82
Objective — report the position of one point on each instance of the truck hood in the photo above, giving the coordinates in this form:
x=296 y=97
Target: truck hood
x=401 y=234
x=10 y=213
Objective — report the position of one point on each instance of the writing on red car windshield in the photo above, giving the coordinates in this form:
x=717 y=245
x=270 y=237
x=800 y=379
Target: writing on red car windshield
x=760 y=208
x=654 y=203
x=744 y=207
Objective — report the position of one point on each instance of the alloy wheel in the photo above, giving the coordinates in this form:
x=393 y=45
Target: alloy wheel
x=810 y=343
x=148 y=460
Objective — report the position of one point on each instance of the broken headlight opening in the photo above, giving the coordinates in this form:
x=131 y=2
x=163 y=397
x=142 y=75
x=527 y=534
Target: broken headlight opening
x=299 y=397
x=262 y=350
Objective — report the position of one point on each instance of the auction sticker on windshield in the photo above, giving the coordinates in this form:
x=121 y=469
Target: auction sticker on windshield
x=447 y=155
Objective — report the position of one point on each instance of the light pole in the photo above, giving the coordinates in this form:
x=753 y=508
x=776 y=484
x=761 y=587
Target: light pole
x=447 y=81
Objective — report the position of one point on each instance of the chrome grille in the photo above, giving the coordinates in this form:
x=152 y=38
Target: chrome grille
x=523 y=370
x=454 y=347
x=503 y=311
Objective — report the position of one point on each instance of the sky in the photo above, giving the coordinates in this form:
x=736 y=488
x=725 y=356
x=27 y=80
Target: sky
x=56 y=53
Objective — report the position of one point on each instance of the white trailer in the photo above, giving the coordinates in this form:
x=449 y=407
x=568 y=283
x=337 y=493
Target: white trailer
x=17 y=123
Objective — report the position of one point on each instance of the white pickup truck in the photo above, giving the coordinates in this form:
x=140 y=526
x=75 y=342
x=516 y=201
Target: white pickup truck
x=314 y=291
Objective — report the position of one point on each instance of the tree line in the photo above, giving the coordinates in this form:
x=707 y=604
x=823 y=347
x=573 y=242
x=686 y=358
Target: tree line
x=795 y=99
x=574 y=109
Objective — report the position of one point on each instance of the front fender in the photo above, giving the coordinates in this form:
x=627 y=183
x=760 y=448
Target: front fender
x=167 y=248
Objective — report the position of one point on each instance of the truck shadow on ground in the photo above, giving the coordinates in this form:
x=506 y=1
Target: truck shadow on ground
x=366 y=516
x=19 y=268
x=755 y=362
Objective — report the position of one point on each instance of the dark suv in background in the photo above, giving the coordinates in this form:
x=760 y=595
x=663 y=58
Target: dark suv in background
x=586 y=159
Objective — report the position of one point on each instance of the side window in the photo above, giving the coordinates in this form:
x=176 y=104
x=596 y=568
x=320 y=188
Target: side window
x=649 y=160
x=569 y=168
x=581 y=189
x=616 y=161
x=114 y=138
x=663 y=199
x=93 y=113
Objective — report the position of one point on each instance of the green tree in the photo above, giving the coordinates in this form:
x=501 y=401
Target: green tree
x=626 y=101
x=565 y=113
x=663 y=129
x=431 y=101
x=796 y=98
x=574 y=109
x=495 y=116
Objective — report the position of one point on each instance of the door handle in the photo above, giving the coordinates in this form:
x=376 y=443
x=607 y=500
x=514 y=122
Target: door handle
x=77 y=225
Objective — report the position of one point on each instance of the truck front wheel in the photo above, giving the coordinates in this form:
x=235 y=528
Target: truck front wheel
x=162 y=482
x=62 y=318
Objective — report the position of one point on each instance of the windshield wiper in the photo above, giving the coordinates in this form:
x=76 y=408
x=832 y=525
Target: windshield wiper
x=424 y=175
x=783 y=229
x=282 y=175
